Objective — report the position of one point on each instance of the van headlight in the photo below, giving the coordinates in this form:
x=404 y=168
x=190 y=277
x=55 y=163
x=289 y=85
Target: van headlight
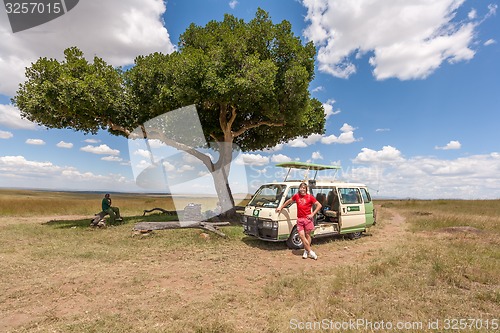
x=267 y=224
x=270 y=224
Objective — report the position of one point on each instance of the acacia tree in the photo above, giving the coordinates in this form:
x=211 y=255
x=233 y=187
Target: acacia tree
x=249 y=82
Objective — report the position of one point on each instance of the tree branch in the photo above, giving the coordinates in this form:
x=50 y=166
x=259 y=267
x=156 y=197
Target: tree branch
x=254 y=125
x=185 y=148
x=118 y=128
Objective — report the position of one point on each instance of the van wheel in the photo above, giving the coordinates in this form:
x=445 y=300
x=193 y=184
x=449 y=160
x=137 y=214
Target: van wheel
x=294 y=241
x=354 y=235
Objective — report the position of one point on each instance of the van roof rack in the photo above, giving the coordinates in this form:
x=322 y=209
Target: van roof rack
x=307 y=166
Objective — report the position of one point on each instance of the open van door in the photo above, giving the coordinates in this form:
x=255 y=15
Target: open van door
x=352 y=210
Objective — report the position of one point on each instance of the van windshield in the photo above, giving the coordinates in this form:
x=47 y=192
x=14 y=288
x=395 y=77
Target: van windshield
x=268 y=196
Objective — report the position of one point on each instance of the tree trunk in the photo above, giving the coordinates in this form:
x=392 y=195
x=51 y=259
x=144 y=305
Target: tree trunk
x=221 y=177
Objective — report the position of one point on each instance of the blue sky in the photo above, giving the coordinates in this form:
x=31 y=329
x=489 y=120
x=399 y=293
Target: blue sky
x=411 y=92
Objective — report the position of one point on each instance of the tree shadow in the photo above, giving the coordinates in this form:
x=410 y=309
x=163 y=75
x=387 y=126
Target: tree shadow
x=85 y=223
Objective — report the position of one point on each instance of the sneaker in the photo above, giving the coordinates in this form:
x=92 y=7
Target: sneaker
x=304 y=256
x=313 y=255
x=119 y=219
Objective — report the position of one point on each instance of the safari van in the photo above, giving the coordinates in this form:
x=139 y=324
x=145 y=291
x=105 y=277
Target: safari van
x=347 y=208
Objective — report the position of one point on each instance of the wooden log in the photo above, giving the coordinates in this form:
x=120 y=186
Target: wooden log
x=168 y=212
x=212 y=227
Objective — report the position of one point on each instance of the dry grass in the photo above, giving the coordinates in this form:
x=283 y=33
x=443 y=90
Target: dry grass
x=64 y=277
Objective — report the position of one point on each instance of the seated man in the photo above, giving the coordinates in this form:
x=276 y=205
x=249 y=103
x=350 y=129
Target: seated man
x=114 y=212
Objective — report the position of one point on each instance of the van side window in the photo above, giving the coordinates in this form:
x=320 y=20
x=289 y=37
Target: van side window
x=350 y=195
x=291 y=192
x=366 y=195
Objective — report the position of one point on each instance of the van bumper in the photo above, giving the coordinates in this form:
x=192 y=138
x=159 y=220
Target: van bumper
x=261 y=228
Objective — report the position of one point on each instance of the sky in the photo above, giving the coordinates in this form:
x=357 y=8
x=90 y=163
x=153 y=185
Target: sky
x=411 y=92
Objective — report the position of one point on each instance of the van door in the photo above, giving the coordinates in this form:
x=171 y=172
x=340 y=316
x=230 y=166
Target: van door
x=369 y=210
x=288 y=217
x=352 y=210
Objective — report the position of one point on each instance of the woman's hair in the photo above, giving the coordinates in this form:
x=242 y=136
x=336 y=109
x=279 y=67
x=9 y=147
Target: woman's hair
x=303 y=184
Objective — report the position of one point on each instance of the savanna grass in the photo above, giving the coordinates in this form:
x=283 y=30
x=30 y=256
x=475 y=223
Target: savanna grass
x=433 y=271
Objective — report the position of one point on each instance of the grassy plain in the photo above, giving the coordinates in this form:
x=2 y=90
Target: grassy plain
x=424 y=265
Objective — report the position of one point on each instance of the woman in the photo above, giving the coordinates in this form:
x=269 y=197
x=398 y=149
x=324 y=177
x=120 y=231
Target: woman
x=305 y=217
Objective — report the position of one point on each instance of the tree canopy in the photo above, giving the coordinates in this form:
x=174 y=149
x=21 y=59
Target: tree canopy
x=249 y=82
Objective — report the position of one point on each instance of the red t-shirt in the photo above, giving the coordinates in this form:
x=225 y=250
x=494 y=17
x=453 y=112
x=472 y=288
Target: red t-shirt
x=304 y=204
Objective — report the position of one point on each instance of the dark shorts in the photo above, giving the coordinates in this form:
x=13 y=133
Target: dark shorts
x=305 y=224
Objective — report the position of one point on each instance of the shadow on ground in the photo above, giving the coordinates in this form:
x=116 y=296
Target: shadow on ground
x=85 y=223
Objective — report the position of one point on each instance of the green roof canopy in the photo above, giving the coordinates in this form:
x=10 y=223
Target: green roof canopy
x=307 y=166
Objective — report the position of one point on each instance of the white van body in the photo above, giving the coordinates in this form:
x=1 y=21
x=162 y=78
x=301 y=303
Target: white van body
x=347 y=209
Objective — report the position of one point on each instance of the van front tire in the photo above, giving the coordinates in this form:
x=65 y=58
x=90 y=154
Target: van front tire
x=294 y=242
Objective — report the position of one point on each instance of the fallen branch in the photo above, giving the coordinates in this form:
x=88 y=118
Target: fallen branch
x=168 y=212
x=209 y=226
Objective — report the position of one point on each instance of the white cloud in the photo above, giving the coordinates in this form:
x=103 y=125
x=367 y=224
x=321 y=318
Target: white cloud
x=6 y=135
x=100 y=150
x=319 y=88
x=142 y=153
x=168 y=166
x=328 y=106
x=63 y=144
x=280 y=158
x=91 y=140
x=388 y=154
x=472 y=177
x=20 y=172
x=112 y=159
x=409 y=40
x=10 y=115
x=490 y=42
x=305 y=142
x=346 y=137
x=472 y=14
x=36 y=142
x=233 y=4
x=382 y=130
x=252 y=159
x=452 y=145
x=115 y=30
x=316 y=156
x=185 y=168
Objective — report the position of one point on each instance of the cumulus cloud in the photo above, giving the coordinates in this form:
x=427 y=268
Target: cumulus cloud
x=472 y=177
x=452 y=145
x=63 y=144
x=252 y=159
x=18 y=171
x=317 y=155
x=11 y=117
x=100 y=150
x=305 y=142
x=115 y=30
x=329 y=111
x=280 y=158
x=6 y=135
x=388 y=154
x=407 y=40
x=35 y=142
x=346 y=137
